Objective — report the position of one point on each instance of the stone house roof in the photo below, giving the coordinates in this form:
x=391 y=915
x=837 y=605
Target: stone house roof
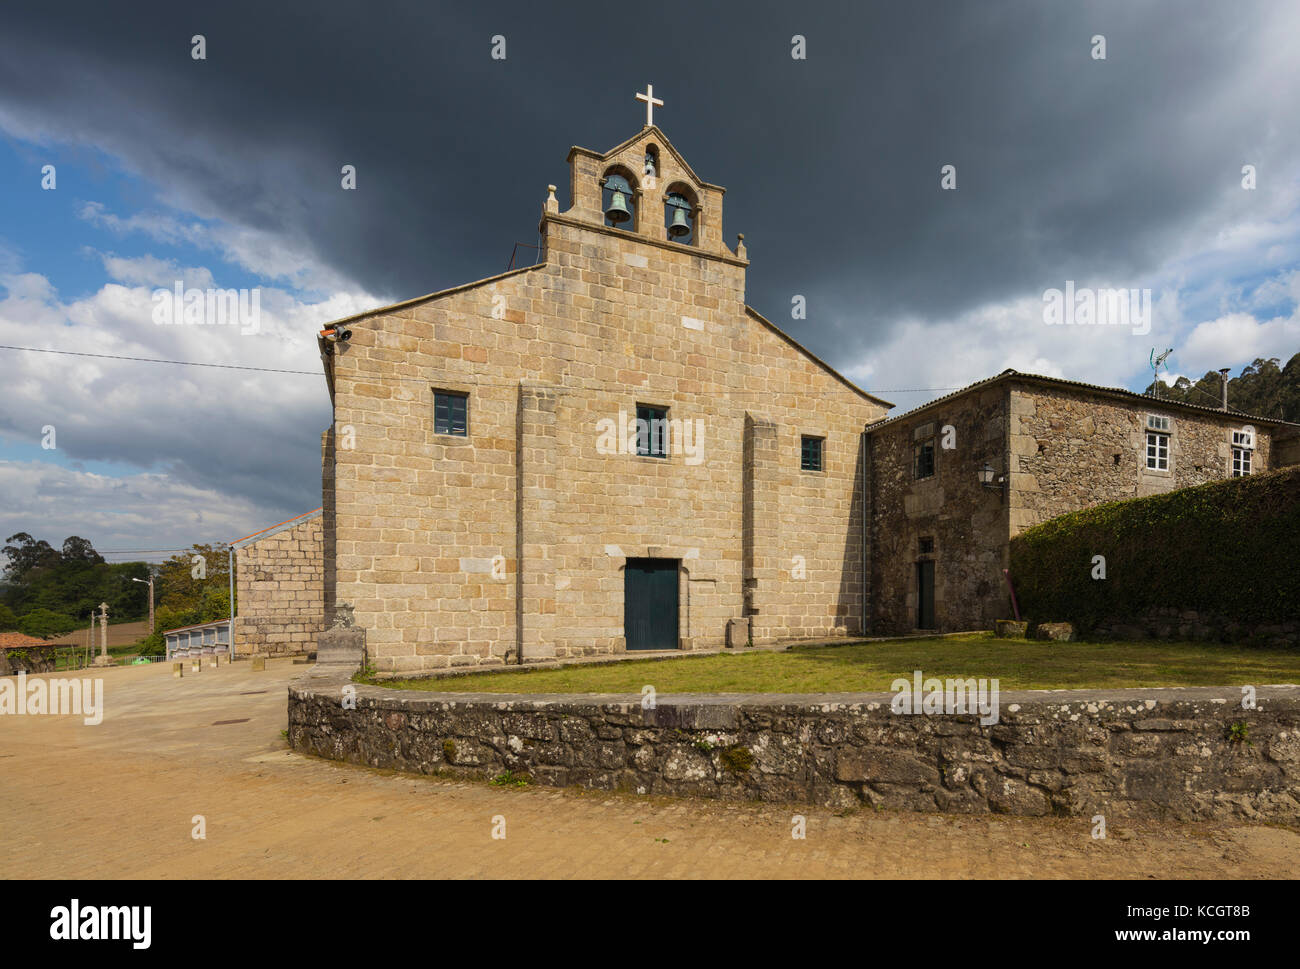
x=1009 y=375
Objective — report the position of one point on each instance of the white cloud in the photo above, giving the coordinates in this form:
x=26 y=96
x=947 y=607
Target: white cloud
x=1240 y=336
x=241 y=445
x=266 y=254
x=142 y=511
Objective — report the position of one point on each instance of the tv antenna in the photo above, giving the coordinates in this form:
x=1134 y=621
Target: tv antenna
x=1156 y=363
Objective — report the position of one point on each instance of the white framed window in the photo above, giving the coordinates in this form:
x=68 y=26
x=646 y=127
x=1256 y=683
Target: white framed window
x=1243 y=443
x=1157 y=451
x=1156 y=422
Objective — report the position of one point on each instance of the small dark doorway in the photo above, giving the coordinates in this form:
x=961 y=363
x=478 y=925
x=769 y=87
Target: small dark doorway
x=925 y=595
x=650 y=603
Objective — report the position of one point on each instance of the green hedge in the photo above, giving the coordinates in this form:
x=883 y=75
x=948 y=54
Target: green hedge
x=1230 y=548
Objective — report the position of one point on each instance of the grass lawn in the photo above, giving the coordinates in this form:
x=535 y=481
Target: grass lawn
x=871 y=667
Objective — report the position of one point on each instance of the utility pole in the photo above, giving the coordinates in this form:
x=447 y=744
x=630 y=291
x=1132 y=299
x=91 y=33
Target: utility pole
x=150 y=584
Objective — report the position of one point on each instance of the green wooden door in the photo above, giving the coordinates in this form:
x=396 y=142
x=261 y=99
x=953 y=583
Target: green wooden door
x=650 y=601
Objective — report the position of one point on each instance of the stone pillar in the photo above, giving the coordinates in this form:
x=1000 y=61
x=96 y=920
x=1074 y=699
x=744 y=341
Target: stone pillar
x=760 y=529
x=535 y=480
x=103 y=658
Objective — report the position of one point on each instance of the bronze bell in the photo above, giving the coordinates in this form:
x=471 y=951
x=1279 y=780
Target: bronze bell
x=618 y=212
x=679 y=226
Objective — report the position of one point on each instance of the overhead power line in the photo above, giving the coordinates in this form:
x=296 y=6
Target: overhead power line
x=177 y=363
x=314 y=373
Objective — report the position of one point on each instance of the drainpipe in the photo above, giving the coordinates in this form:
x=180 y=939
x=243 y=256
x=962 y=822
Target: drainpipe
x=868 y=504
x=230 y=558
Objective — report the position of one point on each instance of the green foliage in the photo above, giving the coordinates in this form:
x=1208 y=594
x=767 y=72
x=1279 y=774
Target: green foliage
x=45 y=624
x=1226 y=548
x=8 y=618
x=71 y=583
x=511 y=779
x=1263 y=389
x=1238 y=733
x=185 y=585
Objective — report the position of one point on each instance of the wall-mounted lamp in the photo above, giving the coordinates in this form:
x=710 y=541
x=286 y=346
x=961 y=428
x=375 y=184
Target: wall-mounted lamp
x=991 y=479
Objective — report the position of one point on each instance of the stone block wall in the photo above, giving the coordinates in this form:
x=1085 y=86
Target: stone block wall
x=965 y=522
x=1072 y=450
x=1183 y=754
x=280 y=591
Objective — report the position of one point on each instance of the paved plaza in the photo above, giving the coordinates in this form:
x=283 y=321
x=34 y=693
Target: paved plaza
x=118 y=800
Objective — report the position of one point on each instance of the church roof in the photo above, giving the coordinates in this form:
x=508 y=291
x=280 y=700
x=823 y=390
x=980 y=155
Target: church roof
x=814 y=358
x=1016 y=376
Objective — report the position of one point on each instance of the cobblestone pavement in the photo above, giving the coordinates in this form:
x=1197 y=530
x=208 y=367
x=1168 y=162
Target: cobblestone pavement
x=119 y=800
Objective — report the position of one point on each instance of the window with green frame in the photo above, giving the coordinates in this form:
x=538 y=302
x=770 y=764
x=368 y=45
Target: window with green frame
x=450 y=413
x=810 y=453
x=651 y=431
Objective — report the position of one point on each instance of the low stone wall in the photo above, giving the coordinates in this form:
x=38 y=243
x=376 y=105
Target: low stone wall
x=32 y=659
x=1183 y=754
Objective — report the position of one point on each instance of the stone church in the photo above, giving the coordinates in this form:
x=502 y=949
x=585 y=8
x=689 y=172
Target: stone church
x=609 y=451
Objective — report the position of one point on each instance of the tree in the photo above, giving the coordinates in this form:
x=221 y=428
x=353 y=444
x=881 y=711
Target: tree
x=44 y=624
x=183 y=579
x=77 y=549
x=1264 y=389
x=27 y=555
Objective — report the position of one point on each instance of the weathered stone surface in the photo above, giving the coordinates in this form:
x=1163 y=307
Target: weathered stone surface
x=1010 y=628
x=341 y=645
x=1125 y=753
x=1061 y=632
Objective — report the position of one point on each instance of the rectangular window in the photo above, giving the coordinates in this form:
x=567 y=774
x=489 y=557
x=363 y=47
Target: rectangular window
x=1156 y=423
x=651 y=431
x=450 y=414
x=1242 y=443
x=925 y=546
x=1158 y=452
x=810 y=453
x=1240 y=462
x=924 y=463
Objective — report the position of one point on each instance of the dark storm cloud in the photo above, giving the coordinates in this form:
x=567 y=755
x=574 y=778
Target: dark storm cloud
x=1065 y=165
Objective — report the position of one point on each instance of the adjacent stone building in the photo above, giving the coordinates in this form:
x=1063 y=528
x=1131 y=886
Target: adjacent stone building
x=611 y=451
x=280 y=588
x=940 y=534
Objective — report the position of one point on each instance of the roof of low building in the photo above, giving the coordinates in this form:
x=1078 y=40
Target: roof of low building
x=1016 y=376
x=19 y=640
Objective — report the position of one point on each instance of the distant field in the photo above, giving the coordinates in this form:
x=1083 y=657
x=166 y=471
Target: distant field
x=122 y=634
x=872 y=667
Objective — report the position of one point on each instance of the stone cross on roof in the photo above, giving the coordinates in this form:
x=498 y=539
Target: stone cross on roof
x=650 y=102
